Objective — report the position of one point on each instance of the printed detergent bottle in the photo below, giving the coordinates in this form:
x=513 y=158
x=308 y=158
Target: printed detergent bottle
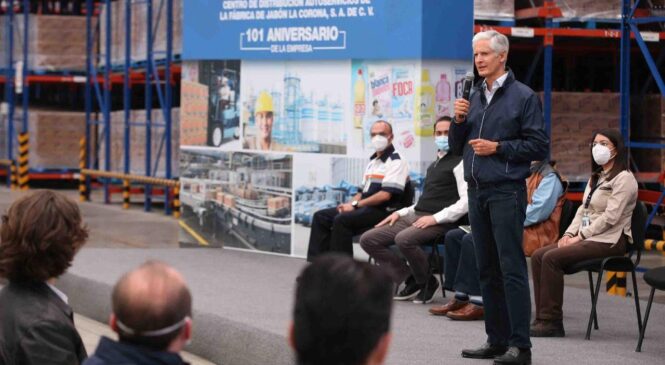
x=424 y=115
x=442 y=96
x=359 y=100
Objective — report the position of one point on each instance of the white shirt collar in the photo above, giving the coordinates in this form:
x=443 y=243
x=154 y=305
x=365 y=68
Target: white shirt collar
x=497 y=83
x=440 y=154
x=60 y=294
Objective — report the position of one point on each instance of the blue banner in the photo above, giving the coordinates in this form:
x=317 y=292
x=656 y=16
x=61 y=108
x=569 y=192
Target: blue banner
x=327 y=29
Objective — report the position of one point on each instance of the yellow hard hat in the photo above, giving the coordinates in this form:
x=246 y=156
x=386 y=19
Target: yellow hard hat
x=263 y=103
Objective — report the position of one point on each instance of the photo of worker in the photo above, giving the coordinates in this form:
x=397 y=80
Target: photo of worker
x=295 y=106
x=236 y=199
x=210 y=104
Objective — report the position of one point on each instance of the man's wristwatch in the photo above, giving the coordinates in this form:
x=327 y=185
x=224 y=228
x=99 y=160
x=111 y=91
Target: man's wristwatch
x=354 y=204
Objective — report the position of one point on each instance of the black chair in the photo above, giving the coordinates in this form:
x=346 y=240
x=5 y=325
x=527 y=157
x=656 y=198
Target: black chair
x=656 y=279
x=567 y=215
x=626 y=263
x=435 y=262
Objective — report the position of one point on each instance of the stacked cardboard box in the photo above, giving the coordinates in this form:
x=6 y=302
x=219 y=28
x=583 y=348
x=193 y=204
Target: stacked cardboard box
x=138 y=140
x=55 y=42
x=493 y=9
x=54 y=138
x=575 y=117
x=194 y=114
x=648 y=124
x=139 y=30
x=229 y=201
x=278 y=205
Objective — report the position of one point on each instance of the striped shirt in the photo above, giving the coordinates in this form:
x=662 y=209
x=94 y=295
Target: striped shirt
x=385 y=173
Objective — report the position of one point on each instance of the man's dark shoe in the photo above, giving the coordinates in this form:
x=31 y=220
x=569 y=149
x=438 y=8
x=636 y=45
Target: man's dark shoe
x=545 y=328
x=410 y=291
x=428 y=291
x=514 y=356
x=486 y=351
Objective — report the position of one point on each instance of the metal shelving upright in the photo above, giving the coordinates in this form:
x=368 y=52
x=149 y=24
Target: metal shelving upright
x=548 y=12
x=11 y=91
x=630 y=28
x=98 y=101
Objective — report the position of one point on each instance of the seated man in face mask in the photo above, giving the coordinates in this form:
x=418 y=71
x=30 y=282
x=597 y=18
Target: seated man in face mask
x=383 y=184
x=442 y=204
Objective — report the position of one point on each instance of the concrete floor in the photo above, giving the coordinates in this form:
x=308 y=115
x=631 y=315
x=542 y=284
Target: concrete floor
x=112 y=227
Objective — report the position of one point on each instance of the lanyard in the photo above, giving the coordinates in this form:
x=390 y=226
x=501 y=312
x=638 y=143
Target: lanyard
x=588 y=198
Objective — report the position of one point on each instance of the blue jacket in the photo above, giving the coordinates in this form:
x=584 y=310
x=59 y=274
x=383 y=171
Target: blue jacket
x=515 y=118
x=110 y=352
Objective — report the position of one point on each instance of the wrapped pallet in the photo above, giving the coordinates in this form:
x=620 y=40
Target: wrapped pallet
x=587 y=9
x=55 y=42
x=137 y=142
x=575 y=117
x=494 y=9
x=54 y=138
x=648 y=125
x=139 y=30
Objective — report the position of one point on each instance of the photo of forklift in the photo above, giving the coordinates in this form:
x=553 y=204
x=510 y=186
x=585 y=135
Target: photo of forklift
x=224 y=118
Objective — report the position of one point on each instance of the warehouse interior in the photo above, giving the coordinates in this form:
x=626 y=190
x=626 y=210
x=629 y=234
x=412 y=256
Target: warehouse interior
x=98 y=101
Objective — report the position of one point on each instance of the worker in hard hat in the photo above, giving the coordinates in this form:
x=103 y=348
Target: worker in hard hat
x=263 y=119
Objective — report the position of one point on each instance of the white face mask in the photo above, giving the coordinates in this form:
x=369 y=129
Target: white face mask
x=601 y=154
x=379 y=143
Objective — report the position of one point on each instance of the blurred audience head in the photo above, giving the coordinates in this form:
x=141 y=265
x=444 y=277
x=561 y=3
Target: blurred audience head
x=40 y=234
x=342 y=313
x=152 y=308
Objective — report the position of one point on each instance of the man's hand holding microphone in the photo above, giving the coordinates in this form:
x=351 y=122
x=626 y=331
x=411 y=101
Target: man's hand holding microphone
x=482 y=147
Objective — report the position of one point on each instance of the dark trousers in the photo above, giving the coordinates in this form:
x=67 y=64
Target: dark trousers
x=548 y=263
x=497 y=213
x=377 y=241
x=460 y=263
x=332 y=231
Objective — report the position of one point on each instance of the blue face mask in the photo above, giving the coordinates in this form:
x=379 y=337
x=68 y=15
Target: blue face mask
x=442 y=143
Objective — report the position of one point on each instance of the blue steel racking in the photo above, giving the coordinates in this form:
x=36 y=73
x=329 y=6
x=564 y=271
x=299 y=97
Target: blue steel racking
x=549 y=12
x=629 y=23
x=10 y=79
x=152 y=79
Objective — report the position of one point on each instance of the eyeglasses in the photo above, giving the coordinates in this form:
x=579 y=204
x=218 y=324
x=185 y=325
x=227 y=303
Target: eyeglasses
x=602 y=143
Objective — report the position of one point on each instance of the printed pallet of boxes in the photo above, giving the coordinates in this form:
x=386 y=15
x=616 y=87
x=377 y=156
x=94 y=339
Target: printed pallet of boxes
x=587 y=9
x=575 y=117
x=55 y=42
x=193 y=114
x=494 y=9
x=138 y=140
x=139 y=30
x=648 y=124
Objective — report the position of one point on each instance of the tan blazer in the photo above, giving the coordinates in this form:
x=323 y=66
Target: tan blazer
x=611 y=209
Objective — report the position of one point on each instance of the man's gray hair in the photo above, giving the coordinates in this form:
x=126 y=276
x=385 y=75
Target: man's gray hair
x=498 y=42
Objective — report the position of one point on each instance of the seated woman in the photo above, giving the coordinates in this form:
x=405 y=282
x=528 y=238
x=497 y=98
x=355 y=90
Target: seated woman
x=601 y=228
x=39 y=236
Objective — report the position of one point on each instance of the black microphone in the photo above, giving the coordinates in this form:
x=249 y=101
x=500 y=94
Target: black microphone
x=466 y=86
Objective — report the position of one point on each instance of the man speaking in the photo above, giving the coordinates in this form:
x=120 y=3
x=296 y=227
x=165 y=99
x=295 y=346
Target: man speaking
x=499 y=131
